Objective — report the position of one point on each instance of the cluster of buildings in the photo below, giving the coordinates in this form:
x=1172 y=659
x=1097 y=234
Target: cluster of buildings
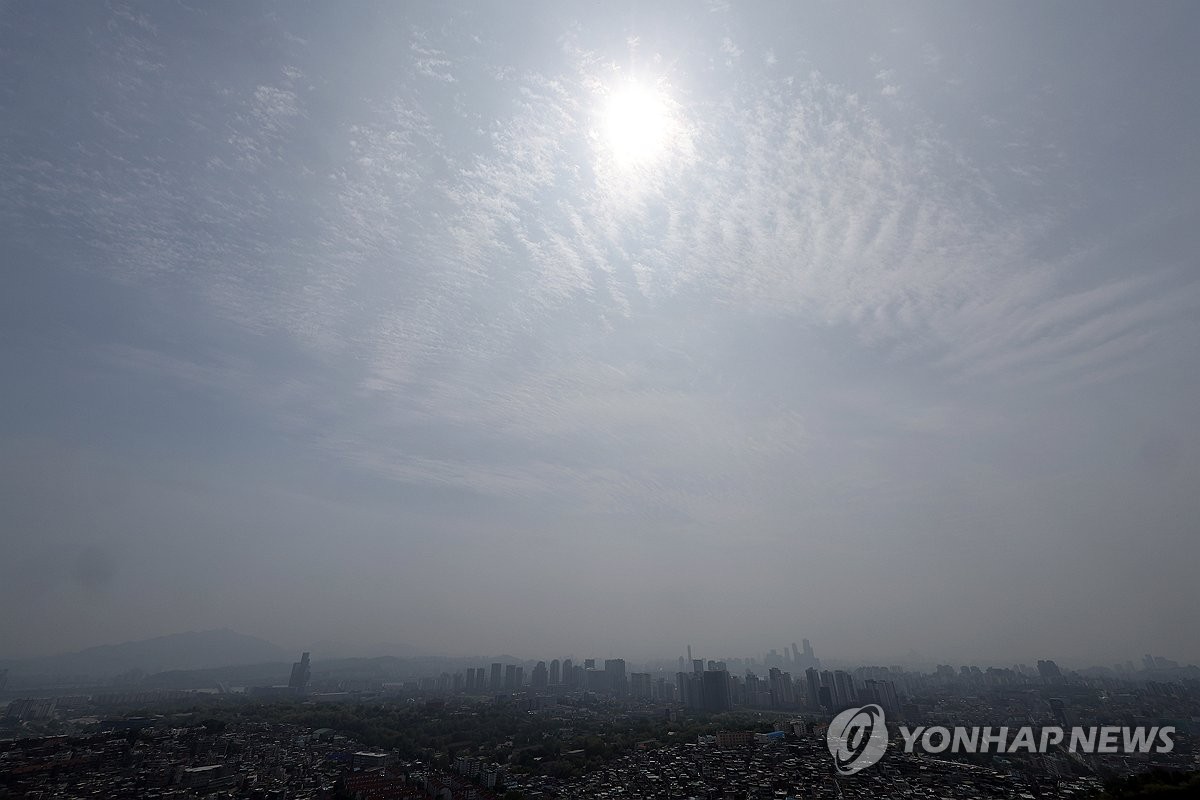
x=795 y=764
x=153 y=758
x=698 y=685
x=260 y=760
x=169 y=756
x=714 y=690
x=565 y=674
x=29 y=709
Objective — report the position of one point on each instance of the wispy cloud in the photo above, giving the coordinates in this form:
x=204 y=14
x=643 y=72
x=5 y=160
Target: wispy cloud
x=451 y=271
x=407 y=250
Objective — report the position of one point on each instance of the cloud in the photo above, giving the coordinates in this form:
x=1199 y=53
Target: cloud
x=416 y=264
x=450 y=271
x=431 y=62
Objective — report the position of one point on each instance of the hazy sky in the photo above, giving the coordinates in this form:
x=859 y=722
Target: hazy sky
x=603 y=329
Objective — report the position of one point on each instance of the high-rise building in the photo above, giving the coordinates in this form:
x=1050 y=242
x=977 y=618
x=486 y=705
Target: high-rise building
x=690 y=686
x=300 y=674
x=805 y=658
x=881 y=692
x=827 y=683
x=813 y=681
x=615 y=669
x=683 y=688
x=1049 y=671
x=510 y=677
x=496 y=683
x=597 y=680
x=844 y=694
x=715 y=690
x=541 y=676
x=568 y=675
x=754 y=692
x=1058 y=707
x=780 y=687
x=640 y=686
x=555 y=676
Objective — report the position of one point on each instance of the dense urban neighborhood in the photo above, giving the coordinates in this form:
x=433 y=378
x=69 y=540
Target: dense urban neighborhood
x=586 y=730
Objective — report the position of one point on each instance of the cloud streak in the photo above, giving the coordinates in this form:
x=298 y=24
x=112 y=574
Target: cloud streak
x=401 y=244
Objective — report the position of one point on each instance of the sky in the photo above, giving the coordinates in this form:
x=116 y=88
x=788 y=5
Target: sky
x=603 y=329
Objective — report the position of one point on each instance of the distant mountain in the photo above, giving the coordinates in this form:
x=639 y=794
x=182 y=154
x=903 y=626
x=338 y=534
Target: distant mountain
x=394 y=649
x=179 y=651
x=332 y=649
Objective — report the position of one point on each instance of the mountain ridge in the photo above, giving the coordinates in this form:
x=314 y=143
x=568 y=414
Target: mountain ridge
x=191 y=650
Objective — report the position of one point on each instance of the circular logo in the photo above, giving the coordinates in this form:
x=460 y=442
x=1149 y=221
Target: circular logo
x=857 y=738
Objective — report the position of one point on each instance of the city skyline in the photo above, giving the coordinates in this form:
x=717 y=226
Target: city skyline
x=557 y=668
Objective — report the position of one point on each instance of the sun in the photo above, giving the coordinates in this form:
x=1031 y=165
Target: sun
x=637 y=124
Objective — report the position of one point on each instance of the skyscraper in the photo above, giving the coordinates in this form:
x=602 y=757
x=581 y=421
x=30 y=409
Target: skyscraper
x=1049 y=671
x=843 y=689
x=496 y=684
x=780 y=683
x=806 y=658
x=683 y=685
x=813 y=681
x=615 y=669
x=715 y=688
x=300 y=674
x=828 y=693
x=554 y=678
x=881 y=692
x=1058 y=707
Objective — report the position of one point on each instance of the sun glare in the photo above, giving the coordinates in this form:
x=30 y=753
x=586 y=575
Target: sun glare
x=637 y=124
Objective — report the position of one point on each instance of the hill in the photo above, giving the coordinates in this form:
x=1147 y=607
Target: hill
x=180 y=651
